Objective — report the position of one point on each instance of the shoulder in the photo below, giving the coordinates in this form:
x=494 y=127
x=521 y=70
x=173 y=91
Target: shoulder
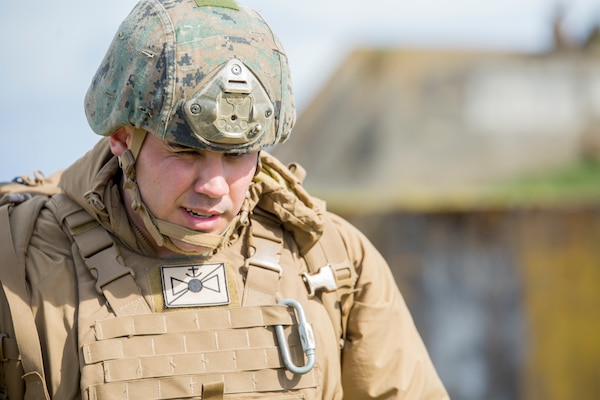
x=48 y=234
x=38 y=238
x=23 y=216
x=341 y=224
x=355 y=242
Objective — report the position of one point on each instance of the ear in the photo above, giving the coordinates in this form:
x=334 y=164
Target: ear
x=119 y=141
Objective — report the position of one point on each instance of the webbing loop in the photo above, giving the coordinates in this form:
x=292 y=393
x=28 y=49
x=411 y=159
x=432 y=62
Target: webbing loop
x=307 y=339
x=213 y=390
x=257 y=262
x=263 y=271
x=2 y=337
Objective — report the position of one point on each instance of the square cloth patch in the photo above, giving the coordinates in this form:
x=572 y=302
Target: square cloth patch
x=195 y=285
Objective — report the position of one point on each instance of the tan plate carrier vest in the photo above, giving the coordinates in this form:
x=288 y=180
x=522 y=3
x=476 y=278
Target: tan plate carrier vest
x=208 y=353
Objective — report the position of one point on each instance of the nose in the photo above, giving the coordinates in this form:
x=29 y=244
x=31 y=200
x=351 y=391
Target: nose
x=212 y=180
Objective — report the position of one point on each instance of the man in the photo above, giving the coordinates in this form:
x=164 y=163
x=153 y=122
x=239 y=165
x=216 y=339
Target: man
x=182 y=261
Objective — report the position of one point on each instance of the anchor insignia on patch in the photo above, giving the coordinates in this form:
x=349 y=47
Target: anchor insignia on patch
x=195 y=285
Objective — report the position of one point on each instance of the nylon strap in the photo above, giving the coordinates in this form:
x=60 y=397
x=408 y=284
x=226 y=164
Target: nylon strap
x=9 y=349
x=213 y=390
x=213 y=362
x=113 y=280
x=263 y=268
x=101 y=256
x=178 y=343
x=331 y=250
x=268 y=380
x=193 y=321
x=15 y=289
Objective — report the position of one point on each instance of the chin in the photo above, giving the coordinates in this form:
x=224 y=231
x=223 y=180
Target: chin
x=190 y=248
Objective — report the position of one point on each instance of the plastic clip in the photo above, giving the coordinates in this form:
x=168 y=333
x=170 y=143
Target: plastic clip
x=322 y=280
x=307 y=339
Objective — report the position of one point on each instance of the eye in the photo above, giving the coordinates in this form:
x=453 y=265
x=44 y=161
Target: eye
x=189 y=153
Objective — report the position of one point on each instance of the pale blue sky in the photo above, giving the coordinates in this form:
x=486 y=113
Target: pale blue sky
x=50 y=50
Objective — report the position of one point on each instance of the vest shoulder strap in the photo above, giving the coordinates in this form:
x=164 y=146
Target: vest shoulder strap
x=332 y=276
x=262 y=265
x=101 y=256
x=12 y=277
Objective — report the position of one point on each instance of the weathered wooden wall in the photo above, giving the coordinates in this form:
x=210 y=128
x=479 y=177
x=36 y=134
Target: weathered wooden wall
x=507 y=300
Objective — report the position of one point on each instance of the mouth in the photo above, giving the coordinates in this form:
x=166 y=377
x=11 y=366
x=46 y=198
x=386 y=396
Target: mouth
x=196 y=214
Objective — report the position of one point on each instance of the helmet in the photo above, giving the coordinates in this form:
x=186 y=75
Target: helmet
x=206 y=74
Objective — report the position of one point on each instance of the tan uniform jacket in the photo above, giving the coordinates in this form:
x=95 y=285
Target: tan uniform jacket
x=382 y=357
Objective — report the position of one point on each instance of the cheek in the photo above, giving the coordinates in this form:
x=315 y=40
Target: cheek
x=147 y=180
x=237 y=190
x=158 y=185
x=238 y=187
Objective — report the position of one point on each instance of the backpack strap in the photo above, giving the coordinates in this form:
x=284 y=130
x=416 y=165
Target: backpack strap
x=12 y=277
x=24 y=187
x=101 y=255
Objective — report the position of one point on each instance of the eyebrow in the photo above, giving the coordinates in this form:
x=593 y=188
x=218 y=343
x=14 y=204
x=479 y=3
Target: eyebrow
x=180 y=146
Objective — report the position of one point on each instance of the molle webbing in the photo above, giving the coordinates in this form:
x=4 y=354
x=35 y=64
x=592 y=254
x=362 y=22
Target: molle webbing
x=176 y=355
x=213 y=362
x=181 y=387
x=192 y=321
x=179 y=343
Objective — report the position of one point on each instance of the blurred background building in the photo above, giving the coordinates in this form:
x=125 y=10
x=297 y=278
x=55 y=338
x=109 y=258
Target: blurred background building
x=477 y=174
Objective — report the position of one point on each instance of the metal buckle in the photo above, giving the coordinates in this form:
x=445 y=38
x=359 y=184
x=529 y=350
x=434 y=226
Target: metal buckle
x=307 y=339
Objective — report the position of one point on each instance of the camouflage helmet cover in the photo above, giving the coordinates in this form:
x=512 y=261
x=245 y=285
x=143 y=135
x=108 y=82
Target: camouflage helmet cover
x=207 y=74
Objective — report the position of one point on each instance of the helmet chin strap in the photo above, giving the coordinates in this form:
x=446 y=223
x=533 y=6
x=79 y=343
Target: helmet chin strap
x=163 y=232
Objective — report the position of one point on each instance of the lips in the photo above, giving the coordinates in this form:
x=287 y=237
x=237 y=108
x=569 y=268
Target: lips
x=198 y=214
x=202 y=219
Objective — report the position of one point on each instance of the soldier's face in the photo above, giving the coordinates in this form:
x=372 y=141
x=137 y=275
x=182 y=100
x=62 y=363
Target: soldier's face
x=197 y=189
